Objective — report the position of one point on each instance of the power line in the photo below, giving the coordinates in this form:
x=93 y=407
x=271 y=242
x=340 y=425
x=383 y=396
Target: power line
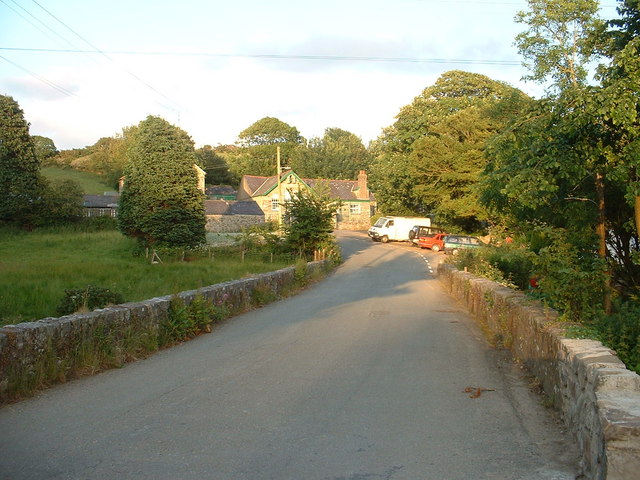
x=103 y=53
x=340 y=58
x=30 y=22
x=37 y=27
x=60 y=89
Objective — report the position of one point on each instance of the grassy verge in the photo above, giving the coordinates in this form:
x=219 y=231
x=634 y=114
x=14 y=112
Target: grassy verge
x=91 y=183
x=37 y=267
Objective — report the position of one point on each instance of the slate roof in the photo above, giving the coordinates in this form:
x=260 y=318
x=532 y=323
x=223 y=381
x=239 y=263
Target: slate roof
x=258 y=186
x=220 y=190
x=342 y=189
x=223 y=207
x=100 y=201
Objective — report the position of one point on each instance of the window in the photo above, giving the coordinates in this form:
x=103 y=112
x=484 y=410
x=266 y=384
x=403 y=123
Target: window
x=354 y=209
x=275 y=202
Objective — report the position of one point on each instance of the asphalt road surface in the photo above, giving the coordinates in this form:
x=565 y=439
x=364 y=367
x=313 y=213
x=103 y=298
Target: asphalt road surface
x=360 y=377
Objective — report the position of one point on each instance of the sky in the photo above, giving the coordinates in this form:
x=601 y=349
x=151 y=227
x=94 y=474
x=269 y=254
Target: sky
x=85 y=69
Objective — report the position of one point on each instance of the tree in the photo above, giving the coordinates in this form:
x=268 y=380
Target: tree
x=570 y=160
x=20 y=181
x=62 y=202
x=160 y=204
x=257 y=152
x=430 y=160
x=44 y=148
x=617 y=108
x=393 y=183
x=338 y=154
x=557 y=45
x=309 y=221
x=214 y=165
x=268 y=131
x=618 y=99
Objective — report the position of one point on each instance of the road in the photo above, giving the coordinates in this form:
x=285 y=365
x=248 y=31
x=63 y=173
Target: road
x=359 y=377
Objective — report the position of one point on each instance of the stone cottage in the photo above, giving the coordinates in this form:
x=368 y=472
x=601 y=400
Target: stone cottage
x=358 y=203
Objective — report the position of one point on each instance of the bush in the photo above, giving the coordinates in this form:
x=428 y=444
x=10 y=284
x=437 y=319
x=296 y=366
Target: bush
x=256 y=237
x=515 y=263
x=309 y=222
x=62 y=203
x=87 y=299
x=476 y=262
x=571 y=275
x=186 y=321
x=621 y=332
x=98 y=224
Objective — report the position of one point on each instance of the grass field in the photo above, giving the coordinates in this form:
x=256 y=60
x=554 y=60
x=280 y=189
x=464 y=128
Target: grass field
x=37 y=267
x=91 y=183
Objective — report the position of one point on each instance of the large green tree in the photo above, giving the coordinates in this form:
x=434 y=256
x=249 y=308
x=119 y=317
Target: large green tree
x=20 y=181
x=257 y=152
x=438 y=141
x=338 y=154
x=160 y=204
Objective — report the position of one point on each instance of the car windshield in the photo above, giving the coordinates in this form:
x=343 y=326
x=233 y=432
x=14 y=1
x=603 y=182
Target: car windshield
x=380 y=222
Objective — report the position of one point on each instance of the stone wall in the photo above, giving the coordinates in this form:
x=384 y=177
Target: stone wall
x=232 y=223
x=598 y=397
x=51 y=345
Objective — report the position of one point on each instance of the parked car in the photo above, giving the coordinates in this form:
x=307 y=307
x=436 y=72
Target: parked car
x=434 y=241
x=422 y=231
x=453 y=243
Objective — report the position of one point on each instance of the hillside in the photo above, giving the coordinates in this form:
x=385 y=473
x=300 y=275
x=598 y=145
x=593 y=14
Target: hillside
x=91 y=183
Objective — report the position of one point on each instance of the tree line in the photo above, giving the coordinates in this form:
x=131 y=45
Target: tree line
x=338 y=154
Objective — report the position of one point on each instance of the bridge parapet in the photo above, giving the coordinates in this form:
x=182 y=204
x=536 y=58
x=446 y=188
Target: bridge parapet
x=598 y=397
x=36 y=354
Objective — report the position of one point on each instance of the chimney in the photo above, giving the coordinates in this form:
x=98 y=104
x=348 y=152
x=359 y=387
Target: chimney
x=363 y=190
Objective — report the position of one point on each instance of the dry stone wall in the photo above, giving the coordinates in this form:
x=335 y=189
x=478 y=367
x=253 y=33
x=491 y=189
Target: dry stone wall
x=232 y=223
x=598 y=397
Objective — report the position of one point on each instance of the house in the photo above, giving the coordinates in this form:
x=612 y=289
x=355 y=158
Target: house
x=221 y=192
x=101 y=205
x=358 y=202
x=231 y=216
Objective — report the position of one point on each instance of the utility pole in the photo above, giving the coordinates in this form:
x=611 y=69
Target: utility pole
x=279 y=187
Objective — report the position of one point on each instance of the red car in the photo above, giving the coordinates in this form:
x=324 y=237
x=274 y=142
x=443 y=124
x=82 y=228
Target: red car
x=434 y=242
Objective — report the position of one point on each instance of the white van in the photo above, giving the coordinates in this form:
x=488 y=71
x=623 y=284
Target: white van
x=395 y=228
